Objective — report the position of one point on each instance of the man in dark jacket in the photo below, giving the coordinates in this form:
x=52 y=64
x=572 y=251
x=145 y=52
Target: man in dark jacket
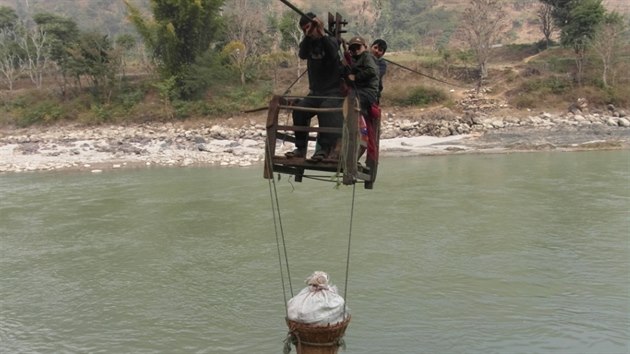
x=363 y=74
x=364 y=79
x=321 y=53
x=379 y=47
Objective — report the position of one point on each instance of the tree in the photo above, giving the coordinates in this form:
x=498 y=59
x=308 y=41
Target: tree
x=124 y=44
x=483 y=24
x=93 y=58
x=577 y=21
x=398 y=21
x=547 y=24
x=8 y=18
x=290 y=31
x=179 y=33
x=367 y=15
x=561 y=9
x=36 y=46
x=291 y=35
x=607 y=42
x=579 y=29
x=62 y=33
x=246 y=30
x=11 y=60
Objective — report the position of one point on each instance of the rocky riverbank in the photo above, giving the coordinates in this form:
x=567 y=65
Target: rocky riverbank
x=240 y=141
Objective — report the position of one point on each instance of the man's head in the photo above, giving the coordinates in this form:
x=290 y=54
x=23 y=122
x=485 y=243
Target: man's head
x=356 y=45
x=304 y=20
x=379 y=47
x=311 y=25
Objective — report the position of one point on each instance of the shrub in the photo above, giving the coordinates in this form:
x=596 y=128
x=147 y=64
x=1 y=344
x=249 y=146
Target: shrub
x=525 y=101
x=44 y=112
x=552 y=84
x=101 y=113
x=538 y=92
x=420 y=96
x=129 y=98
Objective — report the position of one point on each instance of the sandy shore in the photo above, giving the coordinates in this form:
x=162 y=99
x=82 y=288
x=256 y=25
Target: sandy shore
x=242 y=143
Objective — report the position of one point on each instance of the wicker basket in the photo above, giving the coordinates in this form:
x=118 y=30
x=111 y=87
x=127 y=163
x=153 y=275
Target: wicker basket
x=313 y=339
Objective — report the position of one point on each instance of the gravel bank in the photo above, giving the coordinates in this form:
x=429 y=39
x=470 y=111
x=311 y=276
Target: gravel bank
x=240 y=142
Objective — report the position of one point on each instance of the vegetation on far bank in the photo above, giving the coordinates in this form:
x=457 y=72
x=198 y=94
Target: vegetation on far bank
x=54 y=72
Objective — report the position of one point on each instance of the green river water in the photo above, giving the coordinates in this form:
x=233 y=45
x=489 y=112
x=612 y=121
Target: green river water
x=511 y=253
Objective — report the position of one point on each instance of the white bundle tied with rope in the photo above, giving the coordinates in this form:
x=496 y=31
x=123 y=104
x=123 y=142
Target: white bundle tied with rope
x=318 y=303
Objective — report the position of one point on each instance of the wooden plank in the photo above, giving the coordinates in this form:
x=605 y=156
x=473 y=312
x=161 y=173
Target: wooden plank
x=326 y=165
x=365 y=177
x=270 y=142
x=291 y=138
x=297 y=128
x=311 y=109
x=297 y=166
x=286 y=137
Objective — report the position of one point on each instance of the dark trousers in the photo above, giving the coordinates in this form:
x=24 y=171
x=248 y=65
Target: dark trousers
x=327 y=119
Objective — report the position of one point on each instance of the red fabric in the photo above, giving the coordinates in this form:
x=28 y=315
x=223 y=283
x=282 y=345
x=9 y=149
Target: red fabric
x=345 y=89
x=348 y=57
x=372 y=125
x=375 y=111
x=364 y=130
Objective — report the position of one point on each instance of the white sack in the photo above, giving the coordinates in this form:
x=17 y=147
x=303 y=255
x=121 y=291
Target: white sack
x=318 y=303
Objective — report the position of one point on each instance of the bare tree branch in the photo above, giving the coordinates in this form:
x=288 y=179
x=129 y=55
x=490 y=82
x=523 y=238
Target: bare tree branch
x=246 y=25
x=35 y=45
x=607 y=43
x=11 y=63
x=483 y=24
x=547 y=24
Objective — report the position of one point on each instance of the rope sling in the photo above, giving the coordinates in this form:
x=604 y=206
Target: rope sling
x=336 y=331
x=294 y=336
x=298 y=335
x=283 y=259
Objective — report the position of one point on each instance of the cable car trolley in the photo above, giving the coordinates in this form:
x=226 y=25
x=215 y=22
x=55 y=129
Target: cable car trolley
x=343 y=162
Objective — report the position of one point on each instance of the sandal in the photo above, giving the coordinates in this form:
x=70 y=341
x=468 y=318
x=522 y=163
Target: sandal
x=296 y=153
x=335 y=151
x=318 y=156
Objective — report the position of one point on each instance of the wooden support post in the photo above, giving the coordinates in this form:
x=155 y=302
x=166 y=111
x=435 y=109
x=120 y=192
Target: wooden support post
x=351 y=129
x=270 y=142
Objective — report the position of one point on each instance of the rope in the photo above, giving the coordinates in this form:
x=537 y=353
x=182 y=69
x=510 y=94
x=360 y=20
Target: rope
x=423 y=74
x=275 y=224
x=345 y=291
x=273 y=192
x=294 y=82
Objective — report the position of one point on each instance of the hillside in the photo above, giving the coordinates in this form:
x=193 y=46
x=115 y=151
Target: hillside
x=104 y=16
x=521 y=76
x=433 y=21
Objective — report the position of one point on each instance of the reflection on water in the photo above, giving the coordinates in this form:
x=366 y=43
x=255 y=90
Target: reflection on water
x=483 y=254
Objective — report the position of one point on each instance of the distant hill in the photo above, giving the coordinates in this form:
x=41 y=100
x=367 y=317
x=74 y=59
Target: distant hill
x=622 y=6
x=432 y=20
x=105 y=16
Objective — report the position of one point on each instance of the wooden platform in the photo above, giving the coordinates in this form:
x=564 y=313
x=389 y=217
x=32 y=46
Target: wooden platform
x=346 y=165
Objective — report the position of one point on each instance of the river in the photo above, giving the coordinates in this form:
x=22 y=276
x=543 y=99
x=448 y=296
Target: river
x=506 y=253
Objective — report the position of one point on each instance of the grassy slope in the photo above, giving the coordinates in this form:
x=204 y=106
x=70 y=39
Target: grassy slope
x=519 y=75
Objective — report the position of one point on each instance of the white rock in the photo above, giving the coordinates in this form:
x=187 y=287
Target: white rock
x=613 y=122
